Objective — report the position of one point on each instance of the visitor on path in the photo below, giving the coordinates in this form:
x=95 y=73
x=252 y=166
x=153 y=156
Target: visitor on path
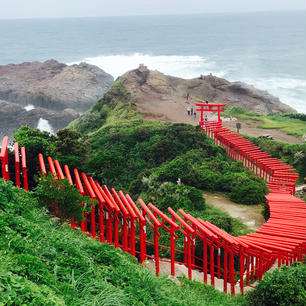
x=194 y=115
x=188 y=111
x=187 y=96
x=205 y=118
x=191 y=112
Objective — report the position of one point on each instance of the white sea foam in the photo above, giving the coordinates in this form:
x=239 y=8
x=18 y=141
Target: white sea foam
x=44 y=125
x=176 y=65
x=29 y=107
x=290 y=91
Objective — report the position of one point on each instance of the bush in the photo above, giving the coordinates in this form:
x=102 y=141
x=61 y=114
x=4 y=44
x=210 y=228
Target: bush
x=253 y=193
x=176 y=196
x=35 y=142
x=53 y=193
x=283 y=287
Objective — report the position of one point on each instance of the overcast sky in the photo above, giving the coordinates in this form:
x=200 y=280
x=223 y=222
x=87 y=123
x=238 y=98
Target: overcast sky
x=91 y=8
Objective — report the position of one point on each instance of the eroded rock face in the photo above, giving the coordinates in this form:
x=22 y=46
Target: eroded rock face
x=57 y=91
x=12 y=116
x=150 y=88
x=53 y=85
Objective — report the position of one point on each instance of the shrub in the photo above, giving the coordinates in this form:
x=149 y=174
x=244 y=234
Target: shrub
x=283 y=287
x=176 y=196
x=35 y=142
x=252 y=193
x=53 y=193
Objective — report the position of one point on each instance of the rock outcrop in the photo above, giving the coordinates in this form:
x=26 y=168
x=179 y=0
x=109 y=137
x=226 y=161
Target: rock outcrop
x=151 y=90
x=58 y=92
x=12 y=116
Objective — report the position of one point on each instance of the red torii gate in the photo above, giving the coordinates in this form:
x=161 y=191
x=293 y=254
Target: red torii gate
x=205 y=107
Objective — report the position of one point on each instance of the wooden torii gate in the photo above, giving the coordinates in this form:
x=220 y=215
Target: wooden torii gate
x=206 y=107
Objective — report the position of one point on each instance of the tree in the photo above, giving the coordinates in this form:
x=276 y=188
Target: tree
x=52 y=193
x=71 y=147
x=35 y=142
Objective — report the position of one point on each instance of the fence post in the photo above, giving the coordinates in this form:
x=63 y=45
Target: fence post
x=232 y=271
x=225 y=270
x=17 y=164
x=24 y=168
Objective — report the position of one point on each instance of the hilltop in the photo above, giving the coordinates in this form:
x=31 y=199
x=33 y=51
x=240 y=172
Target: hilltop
x=153 y=96
x=164 y=96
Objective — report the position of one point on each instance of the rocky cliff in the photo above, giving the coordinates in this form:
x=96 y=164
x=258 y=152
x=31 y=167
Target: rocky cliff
x=143 y=93
x=55 y=91
x=152 y=91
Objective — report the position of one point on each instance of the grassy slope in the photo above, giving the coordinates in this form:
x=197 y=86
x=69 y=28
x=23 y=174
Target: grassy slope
x=293 y=154
x=285 y=122
x=43 y=263
x=113 y=107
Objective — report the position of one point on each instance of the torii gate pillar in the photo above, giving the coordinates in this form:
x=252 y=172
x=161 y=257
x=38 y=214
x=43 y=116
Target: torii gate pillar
x=205 y=107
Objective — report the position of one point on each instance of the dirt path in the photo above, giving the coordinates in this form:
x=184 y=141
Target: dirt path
x=249 y=215
x=176 y=111
x=251 y=128
x=181 y=270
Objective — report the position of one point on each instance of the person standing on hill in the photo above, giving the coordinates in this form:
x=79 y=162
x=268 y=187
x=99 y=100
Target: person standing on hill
x=188 y=110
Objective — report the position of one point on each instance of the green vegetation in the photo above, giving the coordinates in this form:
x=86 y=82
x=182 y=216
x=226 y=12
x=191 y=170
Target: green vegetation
x=52 y=193
x=292 y=124
x=293 y=154
x=146 y=159
x=139 y=157
x=115 y=106
x=48 y=264
x=283 y=287
x=68 y=146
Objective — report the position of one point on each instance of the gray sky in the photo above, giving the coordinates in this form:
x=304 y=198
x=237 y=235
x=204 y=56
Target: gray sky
x=91 y=8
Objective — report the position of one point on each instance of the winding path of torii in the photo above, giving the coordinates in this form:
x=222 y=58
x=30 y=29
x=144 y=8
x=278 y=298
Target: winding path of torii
x=242 y=260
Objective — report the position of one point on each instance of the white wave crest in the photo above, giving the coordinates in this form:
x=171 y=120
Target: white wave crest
x=290 y=91
x=44 y=125
x=177 y=65
x=29 y=107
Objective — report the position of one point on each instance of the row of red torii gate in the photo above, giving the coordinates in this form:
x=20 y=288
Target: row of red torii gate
x=199 y=245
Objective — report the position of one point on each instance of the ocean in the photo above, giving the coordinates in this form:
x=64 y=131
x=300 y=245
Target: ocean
x=266 y=49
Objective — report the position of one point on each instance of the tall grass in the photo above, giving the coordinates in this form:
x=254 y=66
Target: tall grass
x=43 y=263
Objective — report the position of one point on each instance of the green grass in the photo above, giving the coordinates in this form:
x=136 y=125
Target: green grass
x=293 y=154
x=284 y=122
x=115 y=106
x=46 y=263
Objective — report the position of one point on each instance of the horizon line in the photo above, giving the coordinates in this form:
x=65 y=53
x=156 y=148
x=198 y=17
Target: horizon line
x=159 y=14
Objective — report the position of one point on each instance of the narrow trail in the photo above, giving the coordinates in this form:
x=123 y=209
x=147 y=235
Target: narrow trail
x=250 y=215
x=175 y=110
x=182 y=271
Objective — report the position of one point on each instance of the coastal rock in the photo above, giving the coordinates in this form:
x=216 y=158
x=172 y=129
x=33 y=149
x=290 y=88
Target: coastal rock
x=53 y=85
x=58 y=92
x=12 y=116
x=152 y=90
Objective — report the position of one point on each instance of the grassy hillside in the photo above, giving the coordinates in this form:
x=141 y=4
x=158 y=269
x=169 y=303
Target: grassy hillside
x=291 y=124
x=293 y=154
x=114 y=106
x=45 y=263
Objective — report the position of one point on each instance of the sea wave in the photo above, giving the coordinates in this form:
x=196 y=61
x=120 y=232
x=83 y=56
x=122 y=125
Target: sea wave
x=290 y=91
x=177 y=65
